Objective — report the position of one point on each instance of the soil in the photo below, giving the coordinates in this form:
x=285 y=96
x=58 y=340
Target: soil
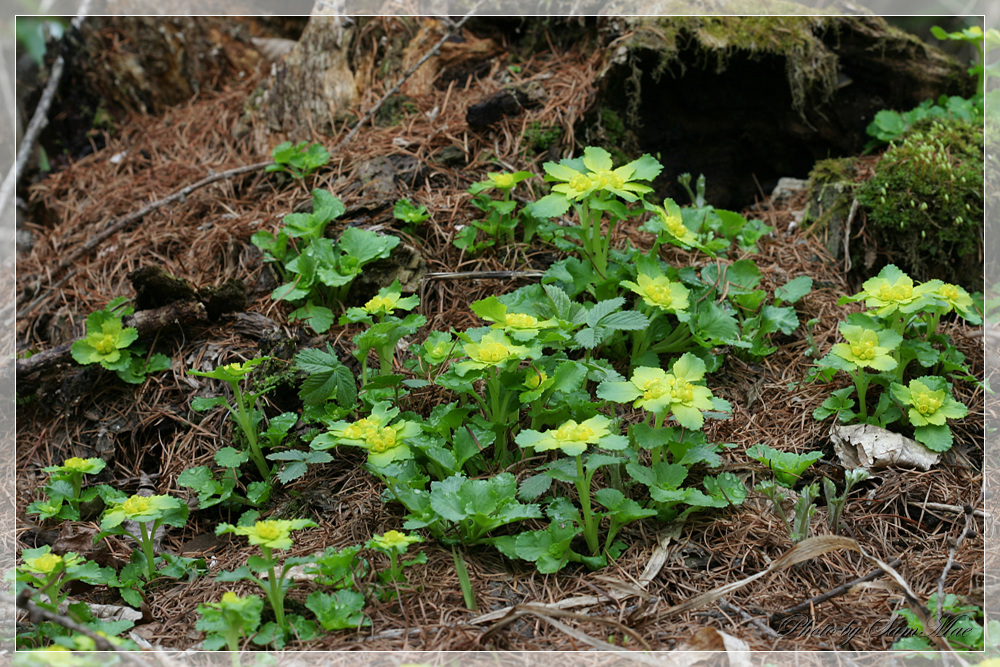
x=199 y=248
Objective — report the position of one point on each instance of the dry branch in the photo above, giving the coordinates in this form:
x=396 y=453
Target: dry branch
x=124 y=222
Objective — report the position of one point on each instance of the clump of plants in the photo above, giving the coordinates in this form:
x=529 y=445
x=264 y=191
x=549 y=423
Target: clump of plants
x=896 y=346
x=316 y=271
x=298 y=160
x=113 y=345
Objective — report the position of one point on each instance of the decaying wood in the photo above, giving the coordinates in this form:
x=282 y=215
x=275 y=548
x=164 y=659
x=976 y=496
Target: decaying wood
x=147 y=322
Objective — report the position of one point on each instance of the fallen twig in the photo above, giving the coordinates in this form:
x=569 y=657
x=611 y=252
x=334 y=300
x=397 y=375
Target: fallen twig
x=762 y=627
x=957 y=509
x=951 y=555
x=124 y=222
x=832 y=593
x=37 y=614
x=547 y=612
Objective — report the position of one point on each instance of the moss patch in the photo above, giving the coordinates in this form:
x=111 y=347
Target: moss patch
x=925 y=202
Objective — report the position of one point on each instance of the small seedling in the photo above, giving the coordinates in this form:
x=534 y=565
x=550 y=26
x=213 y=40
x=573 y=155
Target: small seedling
x=148 y=513
x=298 y=160
x=271 y=535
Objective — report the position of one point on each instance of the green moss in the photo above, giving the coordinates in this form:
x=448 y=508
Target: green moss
x=925 y=201
x=540 y=138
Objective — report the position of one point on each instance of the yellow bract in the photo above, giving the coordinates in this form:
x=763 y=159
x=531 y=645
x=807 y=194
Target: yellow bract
x=504 y=181
x=655 y=388
x=683 y=391
x=949 y=292
x=359 y=429
x=381 y=440
x=76 y=463
x=675 y=226
x=581 y=182
x=269 y=530
x=533 y=379
x=927 y=402
x=897 y=292
x=865 y=348
x=377 y=303
x=607 y=179
x=230 y=597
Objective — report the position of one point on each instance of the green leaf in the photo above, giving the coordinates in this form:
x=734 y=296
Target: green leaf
x=627 y=320
x=490 y=309
x=228 y=457
x=532 y=487
x=774 y=319
x=328 y=378
x=619 y=392
x=715 y=325
x=793 y=290
x=549 y=206
x=319 y=318
x=340 y=610
x=935 y=438
x=726 y=486
x=603 y=308
x=646 y=168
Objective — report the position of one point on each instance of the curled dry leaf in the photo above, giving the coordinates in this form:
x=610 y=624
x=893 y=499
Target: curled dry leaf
x=872 y=448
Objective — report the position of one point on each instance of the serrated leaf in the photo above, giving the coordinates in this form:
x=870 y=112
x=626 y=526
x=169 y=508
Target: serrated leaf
x=534 y=486
x=775 y=318
x=716 y=325
x=626 y=320
x=602 y=309
x=590 y=338
x=328 y=378
x=202 y=403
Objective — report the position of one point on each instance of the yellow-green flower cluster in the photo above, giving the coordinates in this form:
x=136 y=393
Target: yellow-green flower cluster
x=573 y=438
x=660 y=292
x=867 y=347
x=654 y=390
x=393 y=541
x=493 y=349
x=385 y=441
x=268 y=534
x=929 y=405
x=598 y=174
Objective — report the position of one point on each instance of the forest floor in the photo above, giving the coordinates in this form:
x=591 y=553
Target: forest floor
x=205 y=238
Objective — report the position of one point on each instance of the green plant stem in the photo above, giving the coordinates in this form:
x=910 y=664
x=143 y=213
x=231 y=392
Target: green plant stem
x=861 y=382
x=275 y=594
x=462 y=571
x=146 y=542
x=244 y=418
x=657 y=452
x=589 y=523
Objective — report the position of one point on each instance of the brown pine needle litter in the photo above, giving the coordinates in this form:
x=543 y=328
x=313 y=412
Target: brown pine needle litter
x=205 y=239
